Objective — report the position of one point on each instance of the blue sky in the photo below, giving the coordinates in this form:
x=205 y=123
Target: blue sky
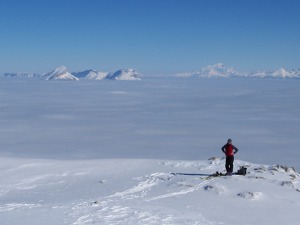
x=152 y=36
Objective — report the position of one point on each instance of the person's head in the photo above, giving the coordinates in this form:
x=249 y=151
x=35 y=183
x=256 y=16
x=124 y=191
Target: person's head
x=229 y=141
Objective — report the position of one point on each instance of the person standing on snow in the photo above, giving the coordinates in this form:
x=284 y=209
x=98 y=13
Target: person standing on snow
x=229 y=149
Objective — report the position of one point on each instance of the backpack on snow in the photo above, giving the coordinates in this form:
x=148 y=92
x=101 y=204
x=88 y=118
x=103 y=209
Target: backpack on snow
x=242 y=171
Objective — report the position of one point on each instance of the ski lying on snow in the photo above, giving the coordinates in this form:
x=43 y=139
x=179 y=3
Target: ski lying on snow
x=242 y=171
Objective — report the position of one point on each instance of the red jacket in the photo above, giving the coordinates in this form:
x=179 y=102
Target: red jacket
x=228 y=149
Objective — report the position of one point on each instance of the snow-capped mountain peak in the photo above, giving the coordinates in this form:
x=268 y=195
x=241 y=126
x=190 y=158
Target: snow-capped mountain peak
x=211 y=71
x=217 y=70
x=90 y=75
x=282 y=73
x=124 y=74
x=60 y=70
x=60 y=73
x=220 y=70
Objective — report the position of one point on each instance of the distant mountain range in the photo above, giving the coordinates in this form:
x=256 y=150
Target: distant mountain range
x=220 y=70
x=62 y=73
x=217 y=70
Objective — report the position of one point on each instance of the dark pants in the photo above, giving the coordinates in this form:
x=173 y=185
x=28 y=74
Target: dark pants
x=229 y=164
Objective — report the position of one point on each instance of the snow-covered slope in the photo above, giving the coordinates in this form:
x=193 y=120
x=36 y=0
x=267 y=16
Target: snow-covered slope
x=90 y=75
x=60 y=73
x=146 y=192
x=124 y=74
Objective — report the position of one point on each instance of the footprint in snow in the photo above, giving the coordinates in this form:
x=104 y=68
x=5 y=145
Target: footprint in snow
x=214 y=189
x=250 y=195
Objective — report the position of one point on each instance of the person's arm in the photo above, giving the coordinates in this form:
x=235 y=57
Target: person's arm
x=223 y=149
x=235 y=149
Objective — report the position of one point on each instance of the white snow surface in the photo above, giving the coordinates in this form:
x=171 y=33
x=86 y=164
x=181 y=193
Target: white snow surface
x=140 y=191
x=106 y=152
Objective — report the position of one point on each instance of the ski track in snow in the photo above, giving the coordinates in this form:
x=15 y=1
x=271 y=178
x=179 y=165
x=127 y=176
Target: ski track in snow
x=183 y=192
x=145 y=185
x=117 y=211
x=118 y=208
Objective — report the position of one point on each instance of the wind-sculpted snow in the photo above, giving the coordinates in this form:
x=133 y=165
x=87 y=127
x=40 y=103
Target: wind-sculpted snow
x=145 y=192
